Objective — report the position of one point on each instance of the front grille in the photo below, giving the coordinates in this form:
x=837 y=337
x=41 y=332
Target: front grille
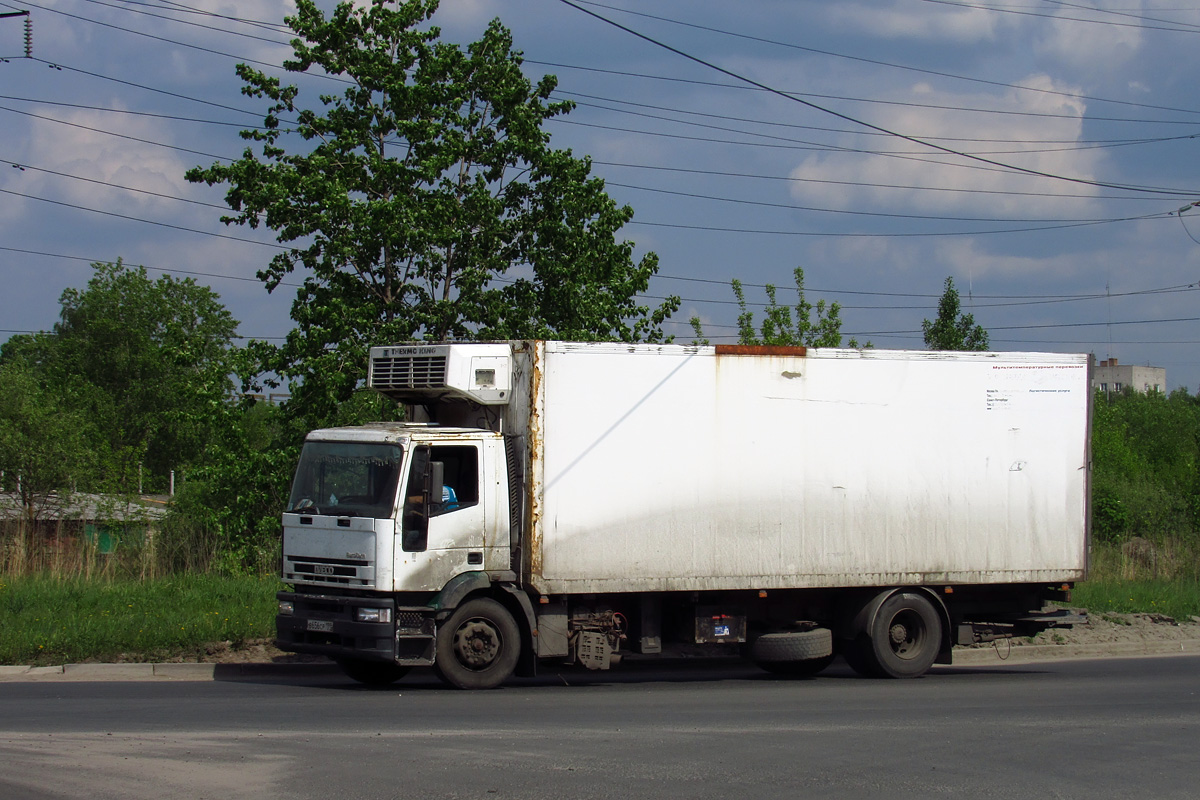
x=408 y=372
x=328 y=571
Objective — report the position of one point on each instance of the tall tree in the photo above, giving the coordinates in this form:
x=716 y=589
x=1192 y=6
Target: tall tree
x=148 y=362
x=44 y=447
x=953 y=330
x=779 y=326
x=424 y=201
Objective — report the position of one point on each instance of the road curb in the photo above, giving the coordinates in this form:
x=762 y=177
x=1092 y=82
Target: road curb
x=999 y=654
x=165 y=672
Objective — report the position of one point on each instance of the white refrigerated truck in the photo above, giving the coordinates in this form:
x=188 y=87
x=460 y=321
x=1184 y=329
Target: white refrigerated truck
x=575 y=502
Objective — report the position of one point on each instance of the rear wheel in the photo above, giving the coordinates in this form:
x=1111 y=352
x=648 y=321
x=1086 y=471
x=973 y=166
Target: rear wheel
x=372 y=673
x=478 y=646
x=902 y=641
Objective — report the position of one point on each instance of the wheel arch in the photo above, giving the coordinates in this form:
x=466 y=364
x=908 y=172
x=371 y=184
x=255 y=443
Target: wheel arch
x=469 y=585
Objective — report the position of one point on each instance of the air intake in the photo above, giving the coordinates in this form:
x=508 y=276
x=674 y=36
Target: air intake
x=481 y=373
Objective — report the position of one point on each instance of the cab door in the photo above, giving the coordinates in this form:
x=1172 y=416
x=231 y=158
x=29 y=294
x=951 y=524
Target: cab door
x=444 y=515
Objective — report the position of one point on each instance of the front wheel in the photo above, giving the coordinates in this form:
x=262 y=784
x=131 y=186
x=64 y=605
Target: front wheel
x=478 y=646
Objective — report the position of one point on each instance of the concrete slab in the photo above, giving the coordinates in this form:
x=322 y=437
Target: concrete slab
x=185 y=672
x=1028 y=654
x=108 y=672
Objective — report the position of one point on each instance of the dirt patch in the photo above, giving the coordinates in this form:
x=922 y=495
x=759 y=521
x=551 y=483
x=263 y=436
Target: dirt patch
x=254 y=651
x=251 y=651
x=1110 y=628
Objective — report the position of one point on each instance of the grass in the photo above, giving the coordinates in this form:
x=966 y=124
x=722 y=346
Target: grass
x=1179 y=599
x=50 y=620
x=1162 y=578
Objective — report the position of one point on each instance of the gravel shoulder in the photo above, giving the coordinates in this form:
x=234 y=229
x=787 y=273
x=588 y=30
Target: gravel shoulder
x=1104 y=635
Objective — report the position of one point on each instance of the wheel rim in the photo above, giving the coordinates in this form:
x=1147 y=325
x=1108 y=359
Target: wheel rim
x=906 y=634
x=477 y=643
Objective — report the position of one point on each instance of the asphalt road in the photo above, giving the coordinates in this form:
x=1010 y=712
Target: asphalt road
x=1078 y=729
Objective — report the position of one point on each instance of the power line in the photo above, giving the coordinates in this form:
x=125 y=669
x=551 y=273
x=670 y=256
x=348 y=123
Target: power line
x=126 y=6
x=169 y=225
x=24 y=167
x=166 y=270
x=1076 y=143
x=905 y=187
x=176 y=95
x=130 y=113
x=873 y=101
x=890 y=234
x=1174 y=27
x=1017 y=149
x=927 y=159
x=155 y=37
x=1017 y=300
x=868 y=125
x=890 y=65
x=112 y=133
x=883 y=214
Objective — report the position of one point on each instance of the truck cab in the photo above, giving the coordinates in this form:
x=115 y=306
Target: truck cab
x=381 y=519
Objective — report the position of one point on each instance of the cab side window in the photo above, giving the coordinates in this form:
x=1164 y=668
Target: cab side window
x=460 y=477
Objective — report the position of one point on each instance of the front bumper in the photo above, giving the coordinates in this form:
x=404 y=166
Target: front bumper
x=326 y=625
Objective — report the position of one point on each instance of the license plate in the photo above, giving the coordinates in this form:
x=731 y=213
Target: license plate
x=320 y=625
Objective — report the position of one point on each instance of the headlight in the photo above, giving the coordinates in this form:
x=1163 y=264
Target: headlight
x=374 y=615
x=286 y=608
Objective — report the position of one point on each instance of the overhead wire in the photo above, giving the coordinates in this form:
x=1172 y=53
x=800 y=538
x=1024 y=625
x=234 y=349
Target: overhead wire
x=126 y=5
x=889 y=64
x=1171 y=28
x=871 y=126
x=165 y=40
x=1149 y=216
x=865 y=100
x=820 y=146
x=905 y=187
x=792 y=125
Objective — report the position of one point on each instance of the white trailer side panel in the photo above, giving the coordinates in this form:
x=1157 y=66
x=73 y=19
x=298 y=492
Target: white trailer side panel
x=674 y=468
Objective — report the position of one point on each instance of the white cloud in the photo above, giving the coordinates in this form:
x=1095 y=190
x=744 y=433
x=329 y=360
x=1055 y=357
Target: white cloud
x=1020 y=136
x=905 y=20
x=81 y=149
x=1098 y=49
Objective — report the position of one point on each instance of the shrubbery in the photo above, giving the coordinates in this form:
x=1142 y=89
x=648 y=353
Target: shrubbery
x=1145 y=486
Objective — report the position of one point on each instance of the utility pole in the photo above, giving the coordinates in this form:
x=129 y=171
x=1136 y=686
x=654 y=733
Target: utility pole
x=28 y=29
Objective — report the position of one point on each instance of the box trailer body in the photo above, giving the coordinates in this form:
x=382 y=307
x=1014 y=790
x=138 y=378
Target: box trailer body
x=613 y=496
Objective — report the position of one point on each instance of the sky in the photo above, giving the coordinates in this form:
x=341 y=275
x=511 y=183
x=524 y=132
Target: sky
x=1044 y=155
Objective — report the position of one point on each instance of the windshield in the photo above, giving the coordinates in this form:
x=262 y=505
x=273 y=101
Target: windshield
x=345 y=479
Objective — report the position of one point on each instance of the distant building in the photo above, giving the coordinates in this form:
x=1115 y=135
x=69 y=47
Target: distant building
x=1109 y=376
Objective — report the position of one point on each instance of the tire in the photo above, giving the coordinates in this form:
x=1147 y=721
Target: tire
x=904 y=638
x=372 y=673
x=797 y=669
x=856 y=652
x=792 y=646
x=478 y=646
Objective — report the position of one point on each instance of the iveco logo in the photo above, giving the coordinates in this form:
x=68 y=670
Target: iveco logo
x=322 y=569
